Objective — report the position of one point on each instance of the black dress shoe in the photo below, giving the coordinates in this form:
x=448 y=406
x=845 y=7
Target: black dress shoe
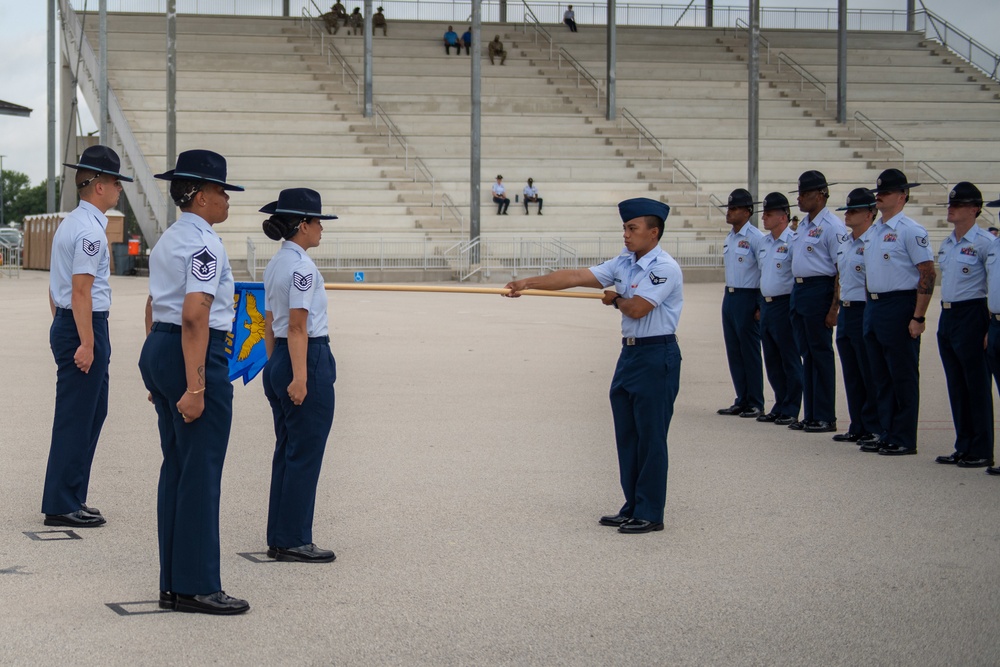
x=847 y=437
x=77 y=519
x=869 y=437
x=951 y=459
x=872 y=446
x=307 y=553
x=215 y=603
x=820 y=427
x=614 y=520
x=90 y=510
x=797 y=425
x=785 y=421
x=637 y=526
x=993 y=471
x=751 y=413
x=168 y=600
x=897 y=450
x=975 y=463
x=769 y=417
x=733 y=409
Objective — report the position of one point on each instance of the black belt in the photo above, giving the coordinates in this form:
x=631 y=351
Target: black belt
x=68 y=312
x=649 y=340
x=319 y=340
x=949 y=305
x=779 y=297
x=812 y=279
x=877 y=296
x=734 y=290
x=848 y=304
x=166 y=327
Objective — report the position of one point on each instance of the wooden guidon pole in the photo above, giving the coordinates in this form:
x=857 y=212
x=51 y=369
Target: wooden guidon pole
x=461 y=289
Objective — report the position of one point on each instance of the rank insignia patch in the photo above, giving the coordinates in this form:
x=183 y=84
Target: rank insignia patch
x=204 y=264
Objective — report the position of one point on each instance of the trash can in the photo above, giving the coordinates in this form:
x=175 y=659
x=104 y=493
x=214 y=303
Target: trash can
x=124 y=263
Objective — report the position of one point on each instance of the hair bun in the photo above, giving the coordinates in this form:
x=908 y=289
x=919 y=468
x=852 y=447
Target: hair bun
x=274 y=229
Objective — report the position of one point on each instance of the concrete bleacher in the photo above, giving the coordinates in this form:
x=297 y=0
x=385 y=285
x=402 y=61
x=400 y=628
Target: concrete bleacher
x=258 y=91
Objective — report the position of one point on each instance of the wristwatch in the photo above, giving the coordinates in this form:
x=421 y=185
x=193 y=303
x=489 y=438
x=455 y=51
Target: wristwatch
x=614 y=302
x=919 y=320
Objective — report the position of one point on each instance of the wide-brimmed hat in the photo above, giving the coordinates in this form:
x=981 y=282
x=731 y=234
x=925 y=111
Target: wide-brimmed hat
x=964 y=193
x=812 y=180
x=102 y=160
x=993 y=204
x=740 y=198
x=640 y=206
x=775 y=201
x=298 y=202
x=892 y=180
x=859 y=198
x=200 y=165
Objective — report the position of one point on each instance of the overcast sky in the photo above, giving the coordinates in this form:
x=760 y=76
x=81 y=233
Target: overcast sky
x=23 y=63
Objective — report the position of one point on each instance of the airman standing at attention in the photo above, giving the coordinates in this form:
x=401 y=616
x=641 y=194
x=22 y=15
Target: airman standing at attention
x=899 y=269
x=964 y=323
x=741 y=307
x=993 y=301
x=815 y=302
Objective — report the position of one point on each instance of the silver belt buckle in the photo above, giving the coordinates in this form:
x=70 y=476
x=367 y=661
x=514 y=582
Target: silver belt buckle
x=845 y=304
x=800 y=280
x=946 y=305
x=996 y=316
x=874 y=297
x=630 y=340
x=732 y=290
x=768 y=299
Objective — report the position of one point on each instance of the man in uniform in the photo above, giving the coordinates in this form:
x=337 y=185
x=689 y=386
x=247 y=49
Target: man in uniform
x=963 y=327
x=814 y=301
x=531 y=195
x=741 y=307
x=899 y=268
x=993 y=301
x=858 y=381
x=333 y=17
x=378 y=21
x=782 y=361
x=496 y=50
x=80 y=298
x=649 y=295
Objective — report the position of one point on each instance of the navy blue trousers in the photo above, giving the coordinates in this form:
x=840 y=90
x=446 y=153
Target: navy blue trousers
x=894 y=358
x=300 y=433
x=811 y=301
x=81 y=407
x=993 y=349
x=781 y=358
x=961 y=332
x=187 y=507
x=858 y=381
x=643 y=390
x=741 y=332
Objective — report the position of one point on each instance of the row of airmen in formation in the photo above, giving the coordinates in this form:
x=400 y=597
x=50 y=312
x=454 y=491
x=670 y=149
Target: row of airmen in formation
x=872 y=279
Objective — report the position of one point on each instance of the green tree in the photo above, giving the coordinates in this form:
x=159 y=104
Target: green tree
x=20 y=198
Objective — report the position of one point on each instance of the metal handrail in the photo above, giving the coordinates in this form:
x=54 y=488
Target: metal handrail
x=332 y=54
x=252 y=258
x=971 y=46
x=148 y=202
x=741 y=24
x=581 y=71
x=804 y=76
x=678 y=166
x=879 y=134
x=536 y=25
x=933 y=173
x=392 y=132
x=448 y=205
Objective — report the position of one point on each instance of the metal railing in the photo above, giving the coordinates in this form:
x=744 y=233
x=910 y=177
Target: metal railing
x=805 y=76
x=144 y=195
x=743 y=26
x=316 y=24
x=10 y=259
x=961 y=44
x=531 y=20
x=880 y=134
x=581 y=72
x=448 y=205
x=678 y=167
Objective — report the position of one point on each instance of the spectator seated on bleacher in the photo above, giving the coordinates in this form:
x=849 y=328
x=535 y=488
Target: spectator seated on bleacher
x=356 y=21
x=451 y=40
x=531 y=196
x=467 y=40
x=496 y=49
x=378 y=21
x=334 y=17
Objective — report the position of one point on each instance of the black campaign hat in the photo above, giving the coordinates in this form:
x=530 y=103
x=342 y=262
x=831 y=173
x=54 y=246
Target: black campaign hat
x=740 y=198
x=101 y=159
x=775 y=202
x=993 y=204
x=965 y=193
x=199 y=165
x=812 y=180
x=631 y=209
x=298 y=202
x=859 y=198
x=893 y=180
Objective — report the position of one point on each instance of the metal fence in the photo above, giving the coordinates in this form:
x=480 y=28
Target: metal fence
x=10 y=259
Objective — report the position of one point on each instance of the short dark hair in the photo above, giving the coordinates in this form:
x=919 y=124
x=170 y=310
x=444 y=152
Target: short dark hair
x=655 y=221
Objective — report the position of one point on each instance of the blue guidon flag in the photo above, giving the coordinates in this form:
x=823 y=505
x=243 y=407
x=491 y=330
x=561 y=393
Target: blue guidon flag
x=245 y=343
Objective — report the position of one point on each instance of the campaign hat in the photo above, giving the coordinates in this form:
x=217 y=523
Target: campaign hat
x=102 y=160
x=892 y=180
x=775 y=201
x=859 y=198
x=812 y=180
x=300 y=202
x=200 y=165
x=965 y=193
x=740 y=198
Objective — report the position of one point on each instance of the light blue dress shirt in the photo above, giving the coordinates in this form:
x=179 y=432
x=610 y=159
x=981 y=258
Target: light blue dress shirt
x=657 y=278
x=963 y=265
x=80 y=246
x=851 y=265
x=291 y=280
x=893 y=248
x=775 y=259
x=739 y=255
x=814 y=248
x=993 y=276
x=189 y=258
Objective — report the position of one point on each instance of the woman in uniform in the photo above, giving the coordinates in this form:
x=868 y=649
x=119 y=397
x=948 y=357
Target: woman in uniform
x=184 y=367
x=299 y=375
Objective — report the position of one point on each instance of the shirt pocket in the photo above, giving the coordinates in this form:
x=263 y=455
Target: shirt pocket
x=967 y=259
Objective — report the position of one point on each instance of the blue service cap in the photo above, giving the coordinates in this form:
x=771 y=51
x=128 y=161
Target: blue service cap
x=640 y=206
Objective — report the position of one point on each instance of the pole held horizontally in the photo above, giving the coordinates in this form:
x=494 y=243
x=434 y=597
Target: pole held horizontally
x=458 y=289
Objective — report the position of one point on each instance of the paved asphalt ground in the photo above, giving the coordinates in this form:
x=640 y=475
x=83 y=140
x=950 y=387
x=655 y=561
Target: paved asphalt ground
x=471 y=455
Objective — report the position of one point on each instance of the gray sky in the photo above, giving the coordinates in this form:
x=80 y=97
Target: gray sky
x=23 y=63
